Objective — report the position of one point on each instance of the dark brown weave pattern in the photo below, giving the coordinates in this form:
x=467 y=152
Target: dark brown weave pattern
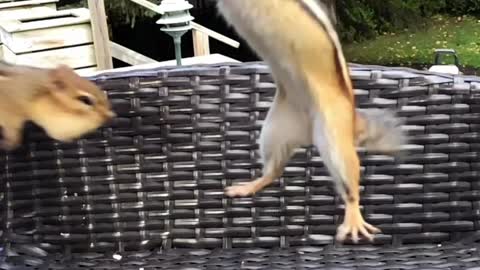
x=154 y=177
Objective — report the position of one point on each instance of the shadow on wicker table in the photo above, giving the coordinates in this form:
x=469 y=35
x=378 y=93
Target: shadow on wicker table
x=146 y=191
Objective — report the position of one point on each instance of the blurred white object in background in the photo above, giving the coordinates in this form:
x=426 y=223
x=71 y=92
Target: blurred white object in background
x=448 y=68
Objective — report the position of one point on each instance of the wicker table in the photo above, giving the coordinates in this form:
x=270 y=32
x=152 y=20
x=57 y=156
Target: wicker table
x=146 y=191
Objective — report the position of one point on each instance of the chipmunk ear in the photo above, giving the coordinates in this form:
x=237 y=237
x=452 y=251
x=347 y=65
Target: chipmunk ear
x=58 y=76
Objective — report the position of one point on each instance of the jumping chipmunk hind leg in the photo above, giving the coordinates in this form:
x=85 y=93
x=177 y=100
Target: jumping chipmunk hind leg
x=334 y=138
x=284 y=129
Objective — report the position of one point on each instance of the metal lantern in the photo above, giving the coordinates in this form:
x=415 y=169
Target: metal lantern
x=176 y=21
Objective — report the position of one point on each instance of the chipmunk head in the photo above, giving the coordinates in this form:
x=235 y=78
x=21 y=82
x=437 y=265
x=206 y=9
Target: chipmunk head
x=69 y=106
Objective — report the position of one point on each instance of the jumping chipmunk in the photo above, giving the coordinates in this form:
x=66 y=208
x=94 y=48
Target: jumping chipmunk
x=314 y=102
x=64 y=104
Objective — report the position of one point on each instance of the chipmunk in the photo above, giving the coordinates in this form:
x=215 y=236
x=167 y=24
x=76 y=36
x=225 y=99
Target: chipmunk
x=314 y=102
x=58 y=100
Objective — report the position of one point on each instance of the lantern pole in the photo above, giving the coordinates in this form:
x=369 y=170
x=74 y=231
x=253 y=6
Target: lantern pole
x=176 y=22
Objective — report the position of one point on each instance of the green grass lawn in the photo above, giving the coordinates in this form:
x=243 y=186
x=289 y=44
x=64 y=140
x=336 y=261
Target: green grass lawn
x=417 y=48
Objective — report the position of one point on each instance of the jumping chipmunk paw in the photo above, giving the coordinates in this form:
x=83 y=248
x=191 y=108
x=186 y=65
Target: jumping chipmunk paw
x=240 y=190
x=8 y=145
x=354 y=228
x=10 y=139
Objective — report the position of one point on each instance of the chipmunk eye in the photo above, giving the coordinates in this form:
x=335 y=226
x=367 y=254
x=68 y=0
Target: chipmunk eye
x=86 y=100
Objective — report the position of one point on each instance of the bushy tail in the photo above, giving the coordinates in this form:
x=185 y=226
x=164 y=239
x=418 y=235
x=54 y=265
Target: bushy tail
x=379 y=130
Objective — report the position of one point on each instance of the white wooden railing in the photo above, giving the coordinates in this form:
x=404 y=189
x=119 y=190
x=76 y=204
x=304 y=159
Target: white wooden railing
x=106 y=49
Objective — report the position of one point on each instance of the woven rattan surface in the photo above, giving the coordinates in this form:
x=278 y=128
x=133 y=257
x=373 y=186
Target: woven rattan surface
x=149 y=186
x=418 y=257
